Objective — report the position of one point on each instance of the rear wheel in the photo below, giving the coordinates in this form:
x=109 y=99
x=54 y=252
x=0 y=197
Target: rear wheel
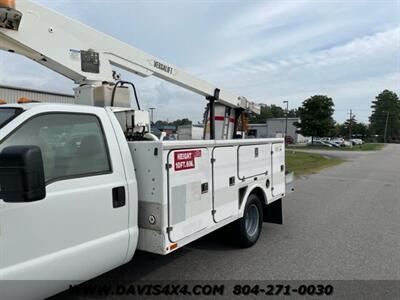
x=248 y=228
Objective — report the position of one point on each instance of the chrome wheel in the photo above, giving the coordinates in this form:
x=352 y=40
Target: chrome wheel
x=252 y=220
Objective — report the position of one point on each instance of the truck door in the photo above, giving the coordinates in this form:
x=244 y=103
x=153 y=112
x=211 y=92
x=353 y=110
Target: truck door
x=225 y=195
x=81 y=228
x=278 y=169
x=189 y=199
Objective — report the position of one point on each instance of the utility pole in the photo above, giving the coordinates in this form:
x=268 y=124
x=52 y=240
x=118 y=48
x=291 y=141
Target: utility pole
x=286 y=120
x=386 y=127
x=152 y=114
x=350 y=123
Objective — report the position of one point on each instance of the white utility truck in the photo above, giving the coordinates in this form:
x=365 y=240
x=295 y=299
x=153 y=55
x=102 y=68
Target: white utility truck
x=83 y=186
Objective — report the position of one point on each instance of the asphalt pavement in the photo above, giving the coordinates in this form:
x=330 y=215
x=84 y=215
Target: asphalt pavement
x=342 y=223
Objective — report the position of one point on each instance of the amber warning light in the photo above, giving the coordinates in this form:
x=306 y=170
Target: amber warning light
x=10 y=17
x=7 y=3
x=24 y=100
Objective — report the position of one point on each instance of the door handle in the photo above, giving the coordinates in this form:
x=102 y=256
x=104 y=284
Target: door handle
x=204 y=188
x=118 y=195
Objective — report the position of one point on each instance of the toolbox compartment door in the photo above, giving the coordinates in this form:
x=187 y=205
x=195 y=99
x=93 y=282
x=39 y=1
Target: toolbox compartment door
x=253 y=160
x=225 y=195
x=189 y=192
x=278 y=170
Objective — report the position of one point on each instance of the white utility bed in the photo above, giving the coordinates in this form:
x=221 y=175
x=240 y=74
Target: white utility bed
x=189 y=188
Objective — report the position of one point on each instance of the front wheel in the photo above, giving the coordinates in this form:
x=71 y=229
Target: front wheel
x=249 y=226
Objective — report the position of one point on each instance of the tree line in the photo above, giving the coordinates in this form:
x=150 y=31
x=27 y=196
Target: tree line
x=271 y=111
x=176 y=123
x=316 y=119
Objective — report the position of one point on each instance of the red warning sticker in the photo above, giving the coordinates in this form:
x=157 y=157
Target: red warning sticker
x=185 y=160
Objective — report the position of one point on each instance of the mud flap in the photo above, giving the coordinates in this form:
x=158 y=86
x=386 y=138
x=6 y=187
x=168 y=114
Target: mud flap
x=273 y=212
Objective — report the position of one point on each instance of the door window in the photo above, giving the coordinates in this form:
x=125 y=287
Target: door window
x=7 y=114
x=73 y=145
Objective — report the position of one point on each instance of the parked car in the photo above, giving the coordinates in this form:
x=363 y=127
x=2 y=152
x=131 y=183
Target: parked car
x=289 y=140
x=347 y=143
x=321 y=143
x=342 y=142
x=357 y=141
x=335 y=144
x=338 y=141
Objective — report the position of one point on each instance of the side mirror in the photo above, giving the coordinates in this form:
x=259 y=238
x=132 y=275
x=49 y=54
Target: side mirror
x=22 y=174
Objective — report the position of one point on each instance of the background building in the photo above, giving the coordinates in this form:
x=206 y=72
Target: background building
x=11 y=94
x=190 y=132
x=276 y=128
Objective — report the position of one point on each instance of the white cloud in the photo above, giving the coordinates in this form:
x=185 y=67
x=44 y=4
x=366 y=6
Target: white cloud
x=268 y=51
x=264 y=16
x=380 y=46
x=17 y=70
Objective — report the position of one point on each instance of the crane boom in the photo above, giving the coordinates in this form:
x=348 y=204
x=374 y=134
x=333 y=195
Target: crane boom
x=87 y=56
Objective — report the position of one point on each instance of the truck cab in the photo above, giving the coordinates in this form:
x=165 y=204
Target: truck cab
x=88 y=216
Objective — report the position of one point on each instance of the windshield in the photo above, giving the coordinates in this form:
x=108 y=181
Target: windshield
x=7 y=114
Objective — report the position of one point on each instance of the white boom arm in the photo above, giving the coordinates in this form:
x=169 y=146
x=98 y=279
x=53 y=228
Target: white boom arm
x=86 y=56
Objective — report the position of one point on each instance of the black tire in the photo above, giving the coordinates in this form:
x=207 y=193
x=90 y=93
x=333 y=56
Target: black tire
x=248 y=228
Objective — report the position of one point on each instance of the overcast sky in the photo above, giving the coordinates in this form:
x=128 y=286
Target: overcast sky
x=268 y=51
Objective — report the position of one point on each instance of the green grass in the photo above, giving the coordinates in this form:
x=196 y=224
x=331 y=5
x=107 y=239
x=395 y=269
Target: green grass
x=364 y=147
x=302 y=163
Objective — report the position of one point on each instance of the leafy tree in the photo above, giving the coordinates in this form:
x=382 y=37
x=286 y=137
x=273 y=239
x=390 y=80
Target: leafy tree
x=178 y=122
x=161 y=123
x=293 y=113
x=184 y=121
x=277 y=111
x=335 y=131
x=348 y=126
x=338 y=130
x=271 y=111
x=359 y=130
x=262 y=117
x=386 y=107
x=316 y=117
